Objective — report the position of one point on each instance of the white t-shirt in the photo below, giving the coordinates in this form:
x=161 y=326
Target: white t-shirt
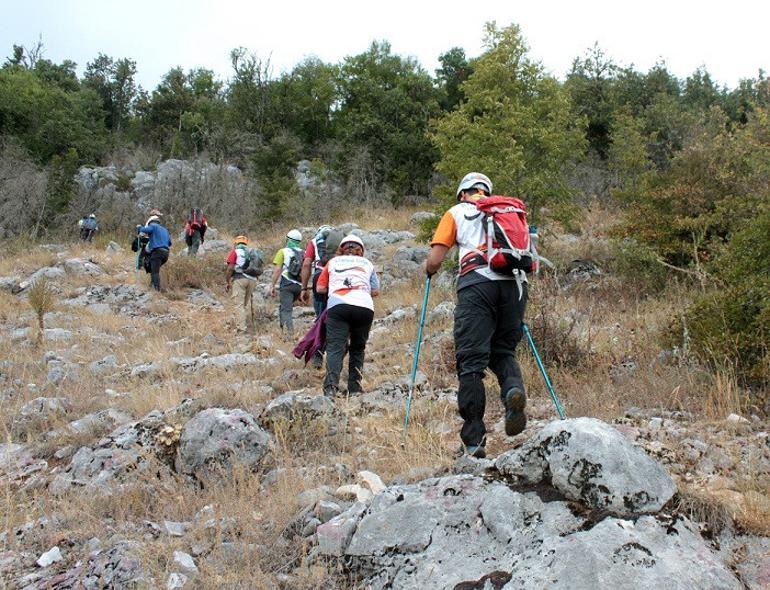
x=350 y=280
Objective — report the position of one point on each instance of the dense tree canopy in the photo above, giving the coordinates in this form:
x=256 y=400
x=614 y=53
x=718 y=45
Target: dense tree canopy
x=515 y=125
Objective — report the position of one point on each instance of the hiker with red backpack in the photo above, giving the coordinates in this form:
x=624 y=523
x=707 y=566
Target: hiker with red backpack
x=495 y=257
x=195 y=230
x=288 y=269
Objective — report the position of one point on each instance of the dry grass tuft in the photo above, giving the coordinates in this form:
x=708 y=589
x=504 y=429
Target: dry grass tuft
x=181 y=272
x=712 y=515
x=42 y=299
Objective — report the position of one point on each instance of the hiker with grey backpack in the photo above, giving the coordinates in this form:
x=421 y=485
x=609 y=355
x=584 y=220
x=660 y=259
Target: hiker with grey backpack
x=495 y=256
x=320 y=249
x=287 y=275
x=244 y=267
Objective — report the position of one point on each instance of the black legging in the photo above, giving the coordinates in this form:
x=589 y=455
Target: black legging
x=158 y=258
x=347 y=326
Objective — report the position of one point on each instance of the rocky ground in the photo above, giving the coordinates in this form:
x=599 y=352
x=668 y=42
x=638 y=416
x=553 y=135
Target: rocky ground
x=148 y=443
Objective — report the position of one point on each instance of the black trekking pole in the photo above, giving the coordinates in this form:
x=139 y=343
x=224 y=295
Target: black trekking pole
x=416 y=355
x=542 y=370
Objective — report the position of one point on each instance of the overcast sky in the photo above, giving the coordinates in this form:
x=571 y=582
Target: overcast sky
x=731 y=39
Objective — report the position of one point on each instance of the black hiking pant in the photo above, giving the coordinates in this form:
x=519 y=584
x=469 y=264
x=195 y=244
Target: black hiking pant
x=487 y=329
x=195 y=242
x=158 y=258
x=347 y=327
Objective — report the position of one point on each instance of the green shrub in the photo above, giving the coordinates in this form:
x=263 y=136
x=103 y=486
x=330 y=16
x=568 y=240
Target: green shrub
x=731 y=323
x=638 y=265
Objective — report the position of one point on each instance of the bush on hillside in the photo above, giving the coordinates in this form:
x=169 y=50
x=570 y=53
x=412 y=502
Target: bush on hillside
x=731 y=324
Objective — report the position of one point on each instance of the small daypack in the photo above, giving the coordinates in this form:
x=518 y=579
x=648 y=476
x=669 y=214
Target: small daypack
x=294 y=268
x=253 y=263
x=325 y=247
x=195 y=218
x=508 y=245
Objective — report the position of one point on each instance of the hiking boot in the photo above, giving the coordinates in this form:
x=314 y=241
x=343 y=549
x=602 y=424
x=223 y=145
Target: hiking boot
x=515 y=418
x=475 y=451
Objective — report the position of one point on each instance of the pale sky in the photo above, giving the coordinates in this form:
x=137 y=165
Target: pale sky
x=731 y=39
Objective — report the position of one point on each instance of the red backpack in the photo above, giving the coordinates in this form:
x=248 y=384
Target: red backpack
x=508 y=246
x=196 y=218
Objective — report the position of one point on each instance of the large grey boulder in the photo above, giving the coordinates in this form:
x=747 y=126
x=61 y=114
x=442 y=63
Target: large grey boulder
x=50 y=273
x=10 y=283
x=624 y=554
x=80 y=267
x=126 y=299
x=99 y=469
x=143 y=184
x=464 y=531
x=586 y=459
x=416 y=254
x=294 y=404
x=218 y=437
x=42 y=408
x=116 y=459
x=421 y=216
x=214 y=246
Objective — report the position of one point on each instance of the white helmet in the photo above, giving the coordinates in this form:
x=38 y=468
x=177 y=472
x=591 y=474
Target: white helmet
x=152 y=219
x=92 y=216
x=351 y=238
x=472 y=179
x=295 y=235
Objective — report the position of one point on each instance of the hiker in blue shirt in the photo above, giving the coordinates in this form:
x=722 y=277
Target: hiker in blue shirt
x=158 y=247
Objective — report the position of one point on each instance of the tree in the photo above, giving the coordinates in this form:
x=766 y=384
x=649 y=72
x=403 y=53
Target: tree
x=455 y=69
x=386 y=105
x=303 y=101
x=700 y=93
x=114 y=82
x=249 y=91
x=590 y=84
x=47 y=117
x=184 y=111
x=515 y=125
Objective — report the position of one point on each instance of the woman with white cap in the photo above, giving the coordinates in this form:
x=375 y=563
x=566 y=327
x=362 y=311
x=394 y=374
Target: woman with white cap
x=350 y=281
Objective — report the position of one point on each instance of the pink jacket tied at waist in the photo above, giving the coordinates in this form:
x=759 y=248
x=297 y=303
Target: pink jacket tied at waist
x=313 y=341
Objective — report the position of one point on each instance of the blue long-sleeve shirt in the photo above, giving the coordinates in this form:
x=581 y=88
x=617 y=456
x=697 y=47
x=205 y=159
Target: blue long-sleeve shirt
x=159 y=236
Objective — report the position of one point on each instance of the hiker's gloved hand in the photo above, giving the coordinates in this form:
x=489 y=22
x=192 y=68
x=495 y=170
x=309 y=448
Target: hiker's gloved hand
x=228 y=286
